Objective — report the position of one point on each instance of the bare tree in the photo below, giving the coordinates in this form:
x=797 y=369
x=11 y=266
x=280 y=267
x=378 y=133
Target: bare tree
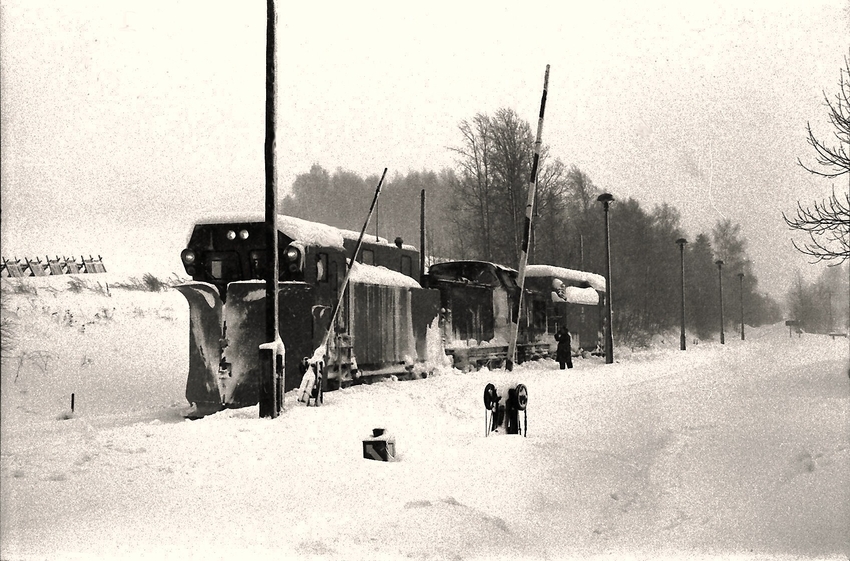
x=835 y=159
x=473 y=184
x=827 y=223
x=493 y=164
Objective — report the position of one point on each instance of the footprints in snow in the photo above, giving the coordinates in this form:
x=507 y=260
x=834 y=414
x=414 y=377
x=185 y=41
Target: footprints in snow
x=494 y=521
x=807 y=462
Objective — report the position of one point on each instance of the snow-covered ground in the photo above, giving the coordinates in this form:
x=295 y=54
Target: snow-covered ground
x=740 y=450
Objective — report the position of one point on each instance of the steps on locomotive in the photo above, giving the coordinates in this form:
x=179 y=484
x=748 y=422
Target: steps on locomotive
x=401 y=371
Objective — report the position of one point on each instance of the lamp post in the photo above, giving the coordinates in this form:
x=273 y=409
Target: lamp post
x=681 y=242
x=606 y=199
x=741 y=276
x=719 y=264
x=829 y=301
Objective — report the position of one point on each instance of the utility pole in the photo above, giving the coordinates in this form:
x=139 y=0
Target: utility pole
x=581 y=251
x=422 y=233
x=270 y=358
x=606 y=199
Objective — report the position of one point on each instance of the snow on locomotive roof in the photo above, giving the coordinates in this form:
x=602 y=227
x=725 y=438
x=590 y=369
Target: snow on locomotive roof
x=455 y=263
x=371 y=274
x=575 y=295
x=360 y=274
x=594 y=280
x=304 y=231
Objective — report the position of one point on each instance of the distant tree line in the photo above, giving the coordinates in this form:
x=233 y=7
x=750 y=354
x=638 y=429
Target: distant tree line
x=342 y=198
x=476 y=211
x=822 y=306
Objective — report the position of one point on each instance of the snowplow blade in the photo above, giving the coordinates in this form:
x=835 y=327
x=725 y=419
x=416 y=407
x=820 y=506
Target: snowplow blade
x=225 y=339
x=244 y=318
x=205 y=338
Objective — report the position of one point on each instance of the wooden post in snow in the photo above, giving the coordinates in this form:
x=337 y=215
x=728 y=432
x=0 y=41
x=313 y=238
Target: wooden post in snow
x=270 y=374
x=422 y=236
x=529 y=208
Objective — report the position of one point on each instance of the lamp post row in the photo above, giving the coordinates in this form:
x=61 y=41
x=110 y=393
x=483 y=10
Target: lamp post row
x=682 y=344
x=606 y=199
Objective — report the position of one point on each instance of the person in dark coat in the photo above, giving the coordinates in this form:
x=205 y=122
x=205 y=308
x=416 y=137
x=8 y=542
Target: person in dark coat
x=564 y=354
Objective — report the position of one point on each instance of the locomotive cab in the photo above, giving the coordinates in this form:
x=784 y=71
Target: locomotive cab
x=383 y=319
x=478 y=300
x=223 y=253
x=574 y=298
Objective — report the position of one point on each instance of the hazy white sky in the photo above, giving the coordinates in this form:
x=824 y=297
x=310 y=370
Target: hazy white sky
x=122 y=122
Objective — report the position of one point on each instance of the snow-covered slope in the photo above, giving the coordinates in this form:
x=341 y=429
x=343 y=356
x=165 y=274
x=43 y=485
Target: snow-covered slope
x=736 y=450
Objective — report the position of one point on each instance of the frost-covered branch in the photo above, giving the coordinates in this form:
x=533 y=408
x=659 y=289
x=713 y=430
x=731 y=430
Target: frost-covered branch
x=827 y=224
x=834 y=161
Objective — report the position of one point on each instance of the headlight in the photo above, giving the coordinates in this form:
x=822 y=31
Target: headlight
x=188 y=256
x=231 y=235
x=291 y=253
x=243 y=234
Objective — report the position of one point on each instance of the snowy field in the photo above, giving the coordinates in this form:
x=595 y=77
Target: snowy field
x=733 y=451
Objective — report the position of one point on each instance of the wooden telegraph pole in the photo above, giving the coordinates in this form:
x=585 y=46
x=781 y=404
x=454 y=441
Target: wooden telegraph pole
x=422 y=235
x=271 y=354
x=606 y=199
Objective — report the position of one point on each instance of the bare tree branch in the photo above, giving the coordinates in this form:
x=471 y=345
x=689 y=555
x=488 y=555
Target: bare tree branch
x=827 y=222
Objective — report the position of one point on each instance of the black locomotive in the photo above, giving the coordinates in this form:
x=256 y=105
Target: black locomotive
x=393 y=320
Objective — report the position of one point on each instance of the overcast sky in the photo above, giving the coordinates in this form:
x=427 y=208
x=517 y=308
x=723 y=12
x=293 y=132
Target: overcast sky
x=122 y=122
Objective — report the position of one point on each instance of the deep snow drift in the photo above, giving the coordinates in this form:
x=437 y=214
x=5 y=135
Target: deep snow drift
x=740 y=450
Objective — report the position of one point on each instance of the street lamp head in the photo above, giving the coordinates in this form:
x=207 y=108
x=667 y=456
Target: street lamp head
x=605 y=198
x=741 y=276
x=681 y=242
x=719 y=263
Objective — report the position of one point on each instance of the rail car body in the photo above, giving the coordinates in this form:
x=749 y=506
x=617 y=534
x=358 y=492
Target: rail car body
x=571 y=297
x=387 y=324
x=479 y=299
x=381 y=328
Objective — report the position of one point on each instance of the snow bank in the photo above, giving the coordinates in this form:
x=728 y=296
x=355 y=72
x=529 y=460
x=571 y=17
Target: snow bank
x=496 y=342
x=722 y=451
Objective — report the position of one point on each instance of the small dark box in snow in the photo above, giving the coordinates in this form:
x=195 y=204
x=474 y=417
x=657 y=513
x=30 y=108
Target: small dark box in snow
x=379 y=446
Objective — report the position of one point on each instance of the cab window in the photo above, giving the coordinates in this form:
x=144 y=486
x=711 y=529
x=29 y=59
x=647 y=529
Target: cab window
x=322 y=267
x=223 y=266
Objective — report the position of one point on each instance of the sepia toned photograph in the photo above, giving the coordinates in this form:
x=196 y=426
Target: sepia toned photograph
x=460 y=281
